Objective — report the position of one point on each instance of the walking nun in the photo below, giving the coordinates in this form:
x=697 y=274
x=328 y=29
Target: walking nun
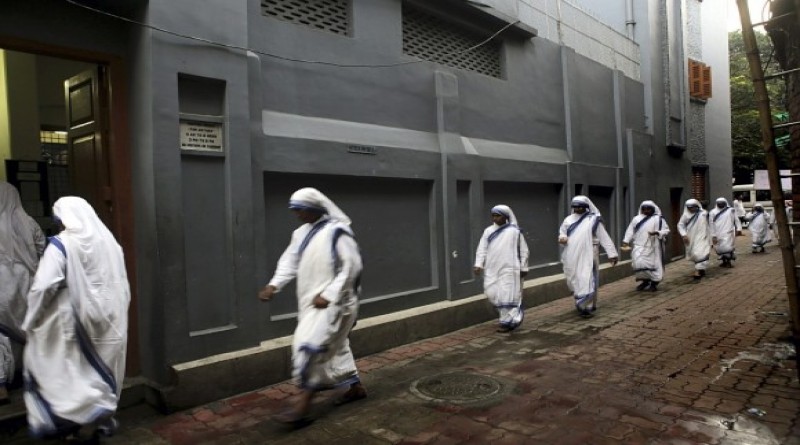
x=502 y=258
x=724 y=228
x=760 y=227
x=646 y=235
x=579 y=235
x=77 y=327
x=324 y=258
x=693 y=227
x=21 y=244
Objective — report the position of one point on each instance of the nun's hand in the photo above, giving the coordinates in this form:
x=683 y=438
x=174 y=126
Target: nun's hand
x=267 y=293
x=562 y=239
x=613 y=261
x=477 y=271
x=320 y=303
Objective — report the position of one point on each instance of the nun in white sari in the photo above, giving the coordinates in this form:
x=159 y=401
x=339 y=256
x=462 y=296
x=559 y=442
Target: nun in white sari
x=502 y=258
x=324 y=258
x=646 y=235
x=693 y=228
x=21 y=244
x=76 y=326
x=579 y=235
x=724 y=227
x=760 y=228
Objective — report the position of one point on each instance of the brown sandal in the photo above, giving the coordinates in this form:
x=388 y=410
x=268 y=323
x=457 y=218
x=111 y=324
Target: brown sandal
x=351 y=395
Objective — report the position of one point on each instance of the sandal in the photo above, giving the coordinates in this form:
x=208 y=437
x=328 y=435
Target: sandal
x=351 y=395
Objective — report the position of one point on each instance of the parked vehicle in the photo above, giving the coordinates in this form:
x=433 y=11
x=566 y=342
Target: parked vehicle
x=750 y=197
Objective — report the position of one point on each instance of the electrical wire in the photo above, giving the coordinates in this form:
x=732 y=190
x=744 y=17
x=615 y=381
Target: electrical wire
x=285 y=58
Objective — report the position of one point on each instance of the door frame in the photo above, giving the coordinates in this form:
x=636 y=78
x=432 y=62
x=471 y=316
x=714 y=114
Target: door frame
x=119 y=159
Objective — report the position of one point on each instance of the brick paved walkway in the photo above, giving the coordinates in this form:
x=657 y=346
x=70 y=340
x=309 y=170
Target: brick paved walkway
x=679 y=366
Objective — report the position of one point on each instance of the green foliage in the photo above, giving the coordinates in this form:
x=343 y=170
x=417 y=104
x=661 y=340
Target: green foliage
x=748 y=151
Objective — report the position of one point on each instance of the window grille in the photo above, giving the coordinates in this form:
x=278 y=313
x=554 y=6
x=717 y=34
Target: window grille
x=699 y=183
x=54 y=147
x=431 y=38
x=326 y=15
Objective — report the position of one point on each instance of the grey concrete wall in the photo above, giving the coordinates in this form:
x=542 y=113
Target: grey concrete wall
x=443 y=146
x=718 y=108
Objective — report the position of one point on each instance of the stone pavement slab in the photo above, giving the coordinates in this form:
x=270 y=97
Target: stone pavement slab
x=694 y=363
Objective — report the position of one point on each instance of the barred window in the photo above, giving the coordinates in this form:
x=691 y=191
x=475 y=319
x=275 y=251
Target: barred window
x=699 y=181
x=54 y=146
x=431 y=38
x=326 y=15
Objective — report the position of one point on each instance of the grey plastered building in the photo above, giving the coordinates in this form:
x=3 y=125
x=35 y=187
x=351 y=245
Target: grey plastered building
x=208 y=114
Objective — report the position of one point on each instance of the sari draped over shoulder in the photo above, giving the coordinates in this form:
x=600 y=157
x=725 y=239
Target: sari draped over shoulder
x=21 y=244
x=580 y=255
x=325 y=260
x=647 y=254
x=503 y=255
x=76 y=325
x=694 y=226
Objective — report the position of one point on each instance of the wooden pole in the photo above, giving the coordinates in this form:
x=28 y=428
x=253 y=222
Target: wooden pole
x=770 y=153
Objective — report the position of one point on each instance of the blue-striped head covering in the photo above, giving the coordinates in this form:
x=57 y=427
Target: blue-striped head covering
x=311 y=199
x=585 y=202
x=502 y=209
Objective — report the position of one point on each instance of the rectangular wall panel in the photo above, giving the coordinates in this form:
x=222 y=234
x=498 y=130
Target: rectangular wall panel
x=391 y=219
x=464 y=245
x=536 y=207
x=209 y=293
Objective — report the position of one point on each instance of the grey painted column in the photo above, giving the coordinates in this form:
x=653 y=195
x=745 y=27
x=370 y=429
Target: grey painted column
x=566 y=57
x=619 y=124
x=448 y=126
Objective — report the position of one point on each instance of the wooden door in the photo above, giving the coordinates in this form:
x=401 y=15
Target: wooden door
x=676 y=210
x=86 y=96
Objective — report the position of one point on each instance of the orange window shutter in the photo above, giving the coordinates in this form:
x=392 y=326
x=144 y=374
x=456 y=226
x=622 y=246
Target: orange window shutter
x=695 y=83
x=706 y=93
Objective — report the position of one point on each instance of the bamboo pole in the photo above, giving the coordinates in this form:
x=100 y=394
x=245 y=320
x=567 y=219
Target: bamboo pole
x=776 y=191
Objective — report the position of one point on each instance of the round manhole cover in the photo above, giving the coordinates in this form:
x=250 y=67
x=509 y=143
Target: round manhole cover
x=456 y=387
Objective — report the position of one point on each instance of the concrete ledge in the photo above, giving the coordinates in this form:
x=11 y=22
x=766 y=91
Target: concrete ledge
x=224 y=375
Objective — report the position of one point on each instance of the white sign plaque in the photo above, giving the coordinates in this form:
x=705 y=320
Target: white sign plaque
x=201 y=136
x=761 y=180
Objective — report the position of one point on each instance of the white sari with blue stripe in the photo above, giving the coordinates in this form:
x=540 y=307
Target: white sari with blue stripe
x=760 y=224
x=503 y=254
x=325 y=259
x=76 y=326
x=580 y=256
x=724 y=225
x=694 y=226
x=647 y=255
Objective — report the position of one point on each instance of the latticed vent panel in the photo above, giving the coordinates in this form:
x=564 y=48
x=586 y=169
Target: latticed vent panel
x=431 y=38
x=327 y=15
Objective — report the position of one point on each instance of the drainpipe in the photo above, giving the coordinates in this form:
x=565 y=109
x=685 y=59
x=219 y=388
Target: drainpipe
x=630 y=21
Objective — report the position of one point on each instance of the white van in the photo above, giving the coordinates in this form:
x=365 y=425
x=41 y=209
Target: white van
x=750 y=197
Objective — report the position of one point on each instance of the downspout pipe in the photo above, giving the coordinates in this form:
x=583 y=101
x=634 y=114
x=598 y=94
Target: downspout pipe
x=630 y=21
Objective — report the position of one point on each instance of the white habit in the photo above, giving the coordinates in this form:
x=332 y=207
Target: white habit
x=76 y=324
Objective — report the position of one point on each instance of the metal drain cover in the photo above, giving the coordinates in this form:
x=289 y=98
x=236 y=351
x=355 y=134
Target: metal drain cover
x=457 y=387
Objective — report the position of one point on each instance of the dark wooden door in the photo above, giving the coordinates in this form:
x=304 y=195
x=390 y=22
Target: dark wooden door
x=676 y=210
x=86 y=97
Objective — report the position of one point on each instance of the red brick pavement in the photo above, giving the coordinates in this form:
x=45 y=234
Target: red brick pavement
x=679 y=366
